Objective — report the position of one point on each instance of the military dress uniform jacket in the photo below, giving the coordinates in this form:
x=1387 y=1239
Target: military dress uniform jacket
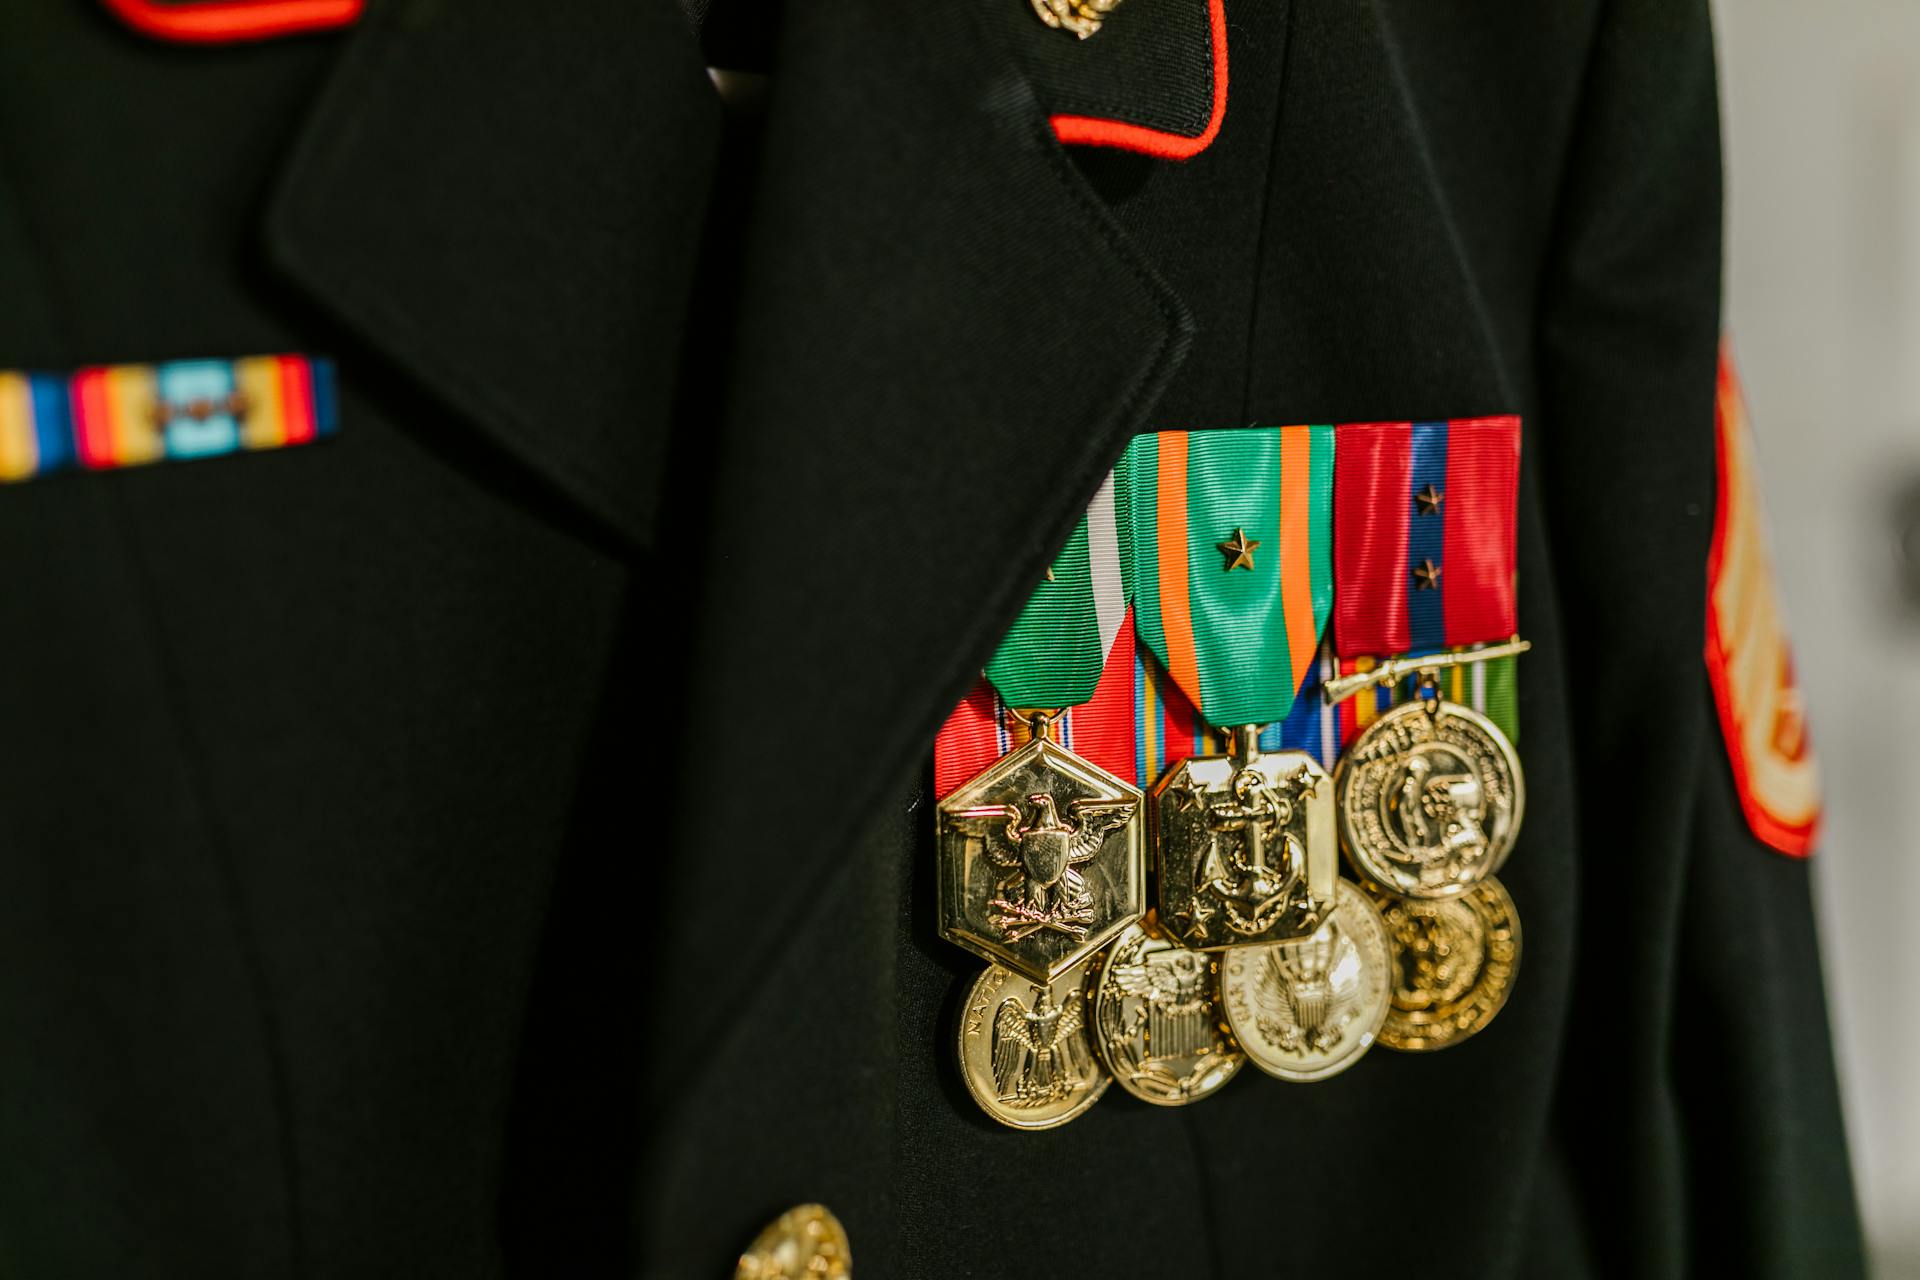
x=494 y=839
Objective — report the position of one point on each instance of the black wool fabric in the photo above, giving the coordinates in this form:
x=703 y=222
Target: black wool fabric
x=495 y=841
x=1150 y=65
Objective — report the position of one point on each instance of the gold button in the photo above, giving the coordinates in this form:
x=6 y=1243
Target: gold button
x=805 y=1243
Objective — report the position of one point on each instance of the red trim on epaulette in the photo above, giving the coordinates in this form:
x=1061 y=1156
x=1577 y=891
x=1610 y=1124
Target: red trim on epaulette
x=1096 y=131
x=234 y=21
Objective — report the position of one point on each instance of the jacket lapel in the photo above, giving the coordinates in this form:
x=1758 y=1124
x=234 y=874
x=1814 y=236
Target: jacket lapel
x=945 y=343
x=509 y=208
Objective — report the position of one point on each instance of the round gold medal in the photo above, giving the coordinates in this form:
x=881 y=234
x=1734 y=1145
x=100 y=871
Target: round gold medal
x=1454 y=962
x=1025 y=1051
x=1156 y=1020
x=1429 y=799
x=1307 y=1010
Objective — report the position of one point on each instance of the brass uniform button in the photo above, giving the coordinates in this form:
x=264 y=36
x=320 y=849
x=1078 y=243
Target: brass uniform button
x=805 y=1243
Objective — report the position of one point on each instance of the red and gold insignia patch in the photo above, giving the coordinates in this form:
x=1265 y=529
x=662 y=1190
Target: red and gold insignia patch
x=1749 y=660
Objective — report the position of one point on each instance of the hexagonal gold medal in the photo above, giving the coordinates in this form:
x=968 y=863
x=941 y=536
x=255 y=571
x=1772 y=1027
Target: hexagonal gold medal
x=1042 y=860
x=1246 y=848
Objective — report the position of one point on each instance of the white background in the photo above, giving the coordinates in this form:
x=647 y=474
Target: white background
x=1822 y=122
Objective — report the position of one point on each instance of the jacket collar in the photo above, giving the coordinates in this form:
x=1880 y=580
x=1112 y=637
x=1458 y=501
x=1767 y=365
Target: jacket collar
x=945 y=340
x=505 y=208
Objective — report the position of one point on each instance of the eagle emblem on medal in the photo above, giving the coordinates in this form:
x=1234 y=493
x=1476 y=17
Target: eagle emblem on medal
x=1042 y=860
x=1024 y=1049
x=1307 y=1010
x=1157 y=1019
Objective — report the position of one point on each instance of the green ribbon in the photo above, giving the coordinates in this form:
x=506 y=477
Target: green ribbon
x=1055 y=652
x=1237 y=638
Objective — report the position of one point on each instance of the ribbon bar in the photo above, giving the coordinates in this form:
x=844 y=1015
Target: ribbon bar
x=127 y=415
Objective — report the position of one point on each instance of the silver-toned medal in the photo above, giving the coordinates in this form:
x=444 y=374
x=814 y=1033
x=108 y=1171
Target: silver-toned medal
x=1307 y=1010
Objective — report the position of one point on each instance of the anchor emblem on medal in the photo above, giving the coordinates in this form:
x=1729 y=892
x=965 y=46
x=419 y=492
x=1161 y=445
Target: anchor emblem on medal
x=1240 y=871
x=1245 y=846
x=1430 y=797
x=1249 y=867
x=1042 y=859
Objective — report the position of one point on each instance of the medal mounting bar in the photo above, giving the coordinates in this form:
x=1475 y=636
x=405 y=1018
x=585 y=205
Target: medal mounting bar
x=1395 y=670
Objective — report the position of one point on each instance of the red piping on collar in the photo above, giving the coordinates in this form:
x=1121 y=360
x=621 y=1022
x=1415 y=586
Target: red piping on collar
x=1095 y=131
x=212 y=22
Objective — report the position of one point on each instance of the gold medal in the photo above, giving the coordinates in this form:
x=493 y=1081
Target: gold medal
x=1156 y=1019
x=1245 y=847
x=1025 y=1051
x=1430 y=797
x=1454 y=962
x=1042 y=859
x=1307 y=1010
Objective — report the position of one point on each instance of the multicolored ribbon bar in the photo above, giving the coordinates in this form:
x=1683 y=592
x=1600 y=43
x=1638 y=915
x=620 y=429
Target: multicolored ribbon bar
x=36 y=425
x=1488 y=687
x=1070 y=651
x=1168 y=728
x=110 y=416
x=1227 y=545
x=1232 y=537
x=1424 y=535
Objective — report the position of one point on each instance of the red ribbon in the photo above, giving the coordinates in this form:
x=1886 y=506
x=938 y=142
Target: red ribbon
x=1424 y=514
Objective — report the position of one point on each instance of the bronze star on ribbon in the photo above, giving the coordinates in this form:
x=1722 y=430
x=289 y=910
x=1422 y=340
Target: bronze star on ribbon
x=1239 y=550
